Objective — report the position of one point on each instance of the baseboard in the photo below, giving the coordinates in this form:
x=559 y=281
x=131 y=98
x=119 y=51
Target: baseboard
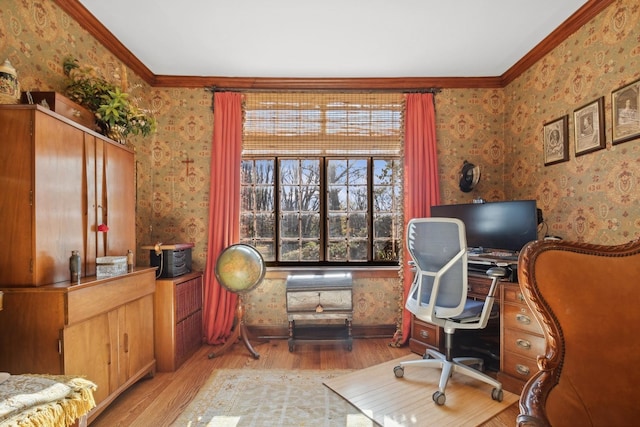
x=357 y=331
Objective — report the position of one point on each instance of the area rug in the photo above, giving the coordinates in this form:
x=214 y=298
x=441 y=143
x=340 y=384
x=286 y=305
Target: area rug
x=407 y=401
x=271 y=398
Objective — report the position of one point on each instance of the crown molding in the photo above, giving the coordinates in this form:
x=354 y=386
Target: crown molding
x=572 y=24
x=85 y=19
x=89 y=22
x=269 y=83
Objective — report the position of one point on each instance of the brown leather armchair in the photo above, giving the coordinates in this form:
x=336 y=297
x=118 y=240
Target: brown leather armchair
x=587 y=300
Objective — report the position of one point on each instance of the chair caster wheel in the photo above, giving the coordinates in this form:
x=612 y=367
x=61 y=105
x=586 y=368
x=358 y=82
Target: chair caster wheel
x=496 y=394
x=398 y=371
x=439 y=398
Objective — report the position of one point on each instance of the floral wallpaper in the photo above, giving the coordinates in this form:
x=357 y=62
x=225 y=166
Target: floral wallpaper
x=592 y=198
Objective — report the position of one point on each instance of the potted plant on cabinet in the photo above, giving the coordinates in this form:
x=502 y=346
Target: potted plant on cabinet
x=117 y=113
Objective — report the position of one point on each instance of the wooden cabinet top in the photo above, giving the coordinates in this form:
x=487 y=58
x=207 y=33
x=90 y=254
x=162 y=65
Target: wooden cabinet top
x=93 y=296
x=41 y=109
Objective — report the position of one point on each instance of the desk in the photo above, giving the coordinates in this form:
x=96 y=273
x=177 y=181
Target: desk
x=509 y=344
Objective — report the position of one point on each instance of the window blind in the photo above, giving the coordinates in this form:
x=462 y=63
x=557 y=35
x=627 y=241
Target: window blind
x=322 y=124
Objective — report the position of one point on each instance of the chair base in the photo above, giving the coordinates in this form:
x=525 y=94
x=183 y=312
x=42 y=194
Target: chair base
x=463 y=365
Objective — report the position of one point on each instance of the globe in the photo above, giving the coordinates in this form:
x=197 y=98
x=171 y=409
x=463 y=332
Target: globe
x=240 y=268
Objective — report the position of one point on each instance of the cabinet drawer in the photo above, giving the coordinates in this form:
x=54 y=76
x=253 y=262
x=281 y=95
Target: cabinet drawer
x=425 y=333
x=518 y=366
x=523 y=343
x=188 y=298
x=101 y=296
x=330 y=300
x=188 y=337
x=520 y=317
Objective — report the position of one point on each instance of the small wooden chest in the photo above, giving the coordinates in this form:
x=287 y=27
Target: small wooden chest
x=61 y=105
x=318 y=298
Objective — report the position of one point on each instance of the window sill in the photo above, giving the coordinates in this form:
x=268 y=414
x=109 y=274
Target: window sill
x=356 y=271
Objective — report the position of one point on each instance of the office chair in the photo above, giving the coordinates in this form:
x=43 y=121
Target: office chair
x=438 y=295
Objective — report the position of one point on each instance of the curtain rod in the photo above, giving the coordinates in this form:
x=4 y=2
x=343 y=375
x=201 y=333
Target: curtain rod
x=433 y=90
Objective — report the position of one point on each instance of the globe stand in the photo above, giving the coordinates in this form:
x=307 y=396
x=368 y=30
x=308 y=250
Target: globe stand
x=239 y=269
x=239 y=333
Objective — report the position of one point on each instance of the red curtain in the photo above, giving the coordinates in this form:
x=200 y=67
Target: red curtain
x=421 y=183
x=224 y=211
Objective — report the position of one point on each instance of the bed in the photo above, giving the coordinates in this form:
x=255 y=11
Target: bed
x=44 y=400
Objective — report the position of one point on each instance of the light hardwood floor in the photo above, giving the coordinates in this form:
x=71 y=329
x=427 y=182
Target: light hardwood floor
x=158 y=401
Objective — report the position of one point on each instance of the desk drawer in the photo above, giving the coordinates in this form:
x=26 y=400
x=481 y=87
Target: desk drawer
x=425 y=333
x=513 y=294
x=518 y=366
x=311 y=300
x=520 y=317
x=478 y=286
x=523 y=343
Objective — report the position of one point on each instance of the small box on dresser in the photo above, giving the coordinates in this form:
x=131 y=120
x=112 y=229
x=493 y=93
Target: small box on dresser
x=62 y=105
x=178 y=320
x=522 y=340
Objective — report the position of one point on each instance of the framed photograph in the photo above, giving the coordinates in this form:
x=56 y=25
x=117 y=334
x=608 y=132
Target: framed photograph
x=588 y=125
x=625 y=104
x=556 y=141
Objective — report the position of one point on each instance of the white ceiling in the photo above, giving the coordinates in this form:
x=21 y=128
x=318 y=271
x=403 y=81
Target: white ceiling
x=331 y=38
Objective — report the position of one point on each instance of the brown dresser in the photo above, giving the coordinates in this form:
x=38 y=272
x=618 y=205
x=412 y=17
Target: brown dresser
x=101 y=329
x=178 y=320
x=521 y=339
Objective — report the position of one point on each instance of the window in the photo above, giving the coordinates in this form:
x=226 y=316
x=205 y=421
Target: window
x=329 y=192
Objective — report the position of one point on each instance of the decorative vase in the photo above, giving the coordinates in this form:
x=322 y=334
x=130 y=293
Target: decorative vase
x=75 y=267
x=116 y=132
x=9 y=85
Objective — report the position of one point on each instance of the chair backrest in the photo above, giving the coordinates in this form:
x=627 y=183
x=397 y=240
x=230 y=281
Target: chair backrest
x=586 y=299
x=438 y=247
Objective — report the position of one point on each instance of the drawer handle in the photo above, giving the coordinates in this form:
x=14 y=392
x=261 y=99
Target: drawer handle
x=424 y=334
x=523 y=344
x=523 y=370
x=75 y=113
x=521 y=318
x=519 y=296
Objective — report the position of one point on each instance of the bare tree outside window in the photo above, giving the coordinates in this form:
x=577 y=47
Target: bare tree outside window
x=329 y=210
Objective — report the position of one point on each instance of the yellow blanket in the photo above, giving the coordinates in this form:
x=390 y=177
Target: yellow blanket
x=44 y=400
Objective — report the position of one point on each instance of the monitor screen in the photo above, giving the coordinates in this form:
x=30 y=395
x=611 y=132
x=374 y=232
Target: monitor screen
x=495 y=225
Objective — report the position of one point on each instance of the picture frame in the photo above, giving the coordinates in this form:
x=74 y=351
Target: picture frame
x=556 y=141
x=625 y=110
x=588 y=126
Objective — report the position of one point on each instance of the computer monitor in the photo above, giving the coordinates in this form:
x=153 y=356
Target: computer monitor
x=495 y=225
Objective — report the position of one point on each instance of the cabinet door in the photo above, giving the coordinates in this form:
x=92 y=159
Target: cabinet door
x=119 y=199
x=136 y=337
x=93 y=209
x=88 y=352
x=58 y=197
x=16 y=171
